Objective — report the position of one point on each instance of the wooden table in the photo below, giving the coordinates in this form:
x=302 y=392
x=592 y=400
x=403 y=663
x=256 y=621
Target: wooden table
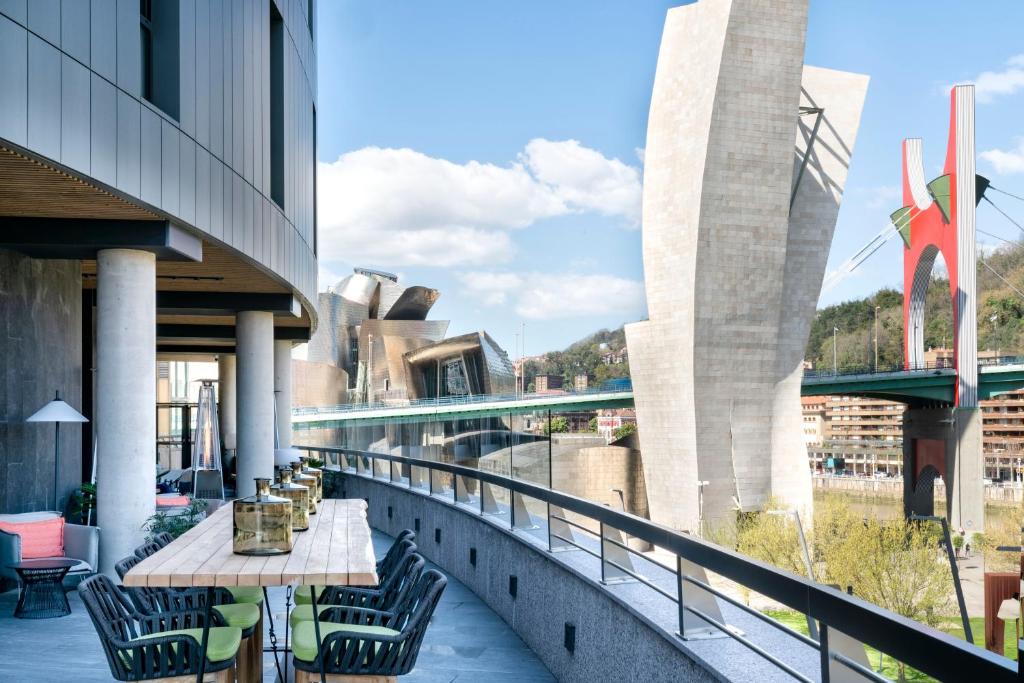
x=336 y=550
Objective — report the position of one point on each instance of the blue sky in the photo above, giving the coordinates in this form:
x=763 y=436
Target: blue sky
x=493 y=150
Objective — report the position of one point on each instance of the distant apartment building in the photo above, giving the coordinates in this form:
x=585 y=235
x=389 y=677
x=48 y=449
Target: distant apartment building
x=615 y=357
x=814 y=420
x=610 y=420
x=581 y=383
x=543 y=383
x=1003 y=436
x=945 y=358
x=862 y=436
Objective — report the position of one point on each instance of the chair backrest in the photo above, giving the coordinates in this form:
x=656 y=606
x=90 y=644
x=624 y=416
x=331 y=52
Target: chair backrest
x=116 y=623
x=208 y=484
x=407 y=571
x=163 y=538
x=368 y=657
x=419 y=605
x=393 y=557
x=147 y=549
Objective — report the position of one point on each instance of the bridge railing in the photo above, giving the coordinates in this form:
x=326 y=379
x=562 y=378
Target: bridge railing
x=941 y=364
x=926 y=649
x=613 y=386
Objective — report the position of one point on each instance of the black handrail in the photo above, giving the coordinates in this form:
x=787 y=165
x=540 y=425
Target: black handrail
x=924 y=648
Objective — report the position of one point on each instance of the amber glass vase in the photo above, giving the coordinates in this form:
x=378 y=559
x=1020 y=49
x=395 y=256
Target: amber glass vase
x=298 y=494
x=263 y=523
x=314 y=472
x=309 y=481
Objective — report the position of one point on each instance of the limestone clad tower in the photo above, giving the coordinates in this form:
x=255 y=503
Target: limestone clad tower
x=746 y=157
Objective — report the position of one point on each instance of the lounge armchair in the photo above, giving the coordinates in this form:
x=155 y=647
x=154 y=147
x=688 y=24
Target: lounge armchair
x=81 y=543
x=362 y=642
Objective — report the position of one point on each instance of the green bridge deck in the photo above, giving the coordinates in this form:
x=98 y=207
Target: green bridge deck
x=915 y=386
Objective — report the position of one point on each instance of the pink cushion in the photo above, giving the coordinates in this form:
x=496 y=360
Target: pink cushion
x=172 y=501
x=44 y=538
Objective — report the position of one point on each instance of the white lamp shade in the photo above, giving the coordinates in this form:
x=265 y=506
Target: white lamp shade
x=57 y=411
x=1009 y=610
x=284 y=457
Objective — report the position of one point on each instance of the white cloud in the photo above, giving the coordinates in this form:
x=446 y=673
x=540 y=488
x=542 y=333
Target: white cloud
x=401 y=207
x=1006 y=161
x=544 y=296
x=884 y=196
x=989 y=85
x=585 y=179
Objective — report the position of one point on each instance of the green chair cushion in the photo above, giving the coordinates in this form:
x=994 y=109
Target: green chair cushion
x=303 y=596
x=241 y=614
x=223 y=643
x=252 y=595
x=303 y=613
x=304 y=637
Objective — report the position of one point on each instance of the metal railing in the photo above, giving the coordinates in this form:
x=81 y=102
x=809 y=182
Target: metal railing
x=890 y=368
x=926 y=649
x=445 y=401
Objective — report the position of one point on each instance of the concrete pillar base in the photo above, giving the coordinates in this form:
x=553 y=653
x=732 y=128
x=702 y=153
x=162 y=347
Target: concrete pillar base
x=944 y=442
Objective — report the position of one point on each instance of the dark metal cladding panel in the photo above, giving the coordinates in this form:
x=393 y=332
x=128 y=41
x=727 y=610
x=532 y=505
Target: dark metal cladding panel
x=43 y=97
x=129 y=144
x=75 y=115
x=103 y=149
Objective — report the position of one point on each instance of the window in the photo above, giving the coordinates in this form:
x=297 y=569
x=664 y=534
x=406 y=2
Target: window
x=159 y=54
x=276 y=106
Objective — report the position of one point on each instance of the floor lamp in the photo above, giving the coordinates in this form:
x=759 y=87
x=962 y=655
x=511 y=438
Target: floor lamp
x=56 y=411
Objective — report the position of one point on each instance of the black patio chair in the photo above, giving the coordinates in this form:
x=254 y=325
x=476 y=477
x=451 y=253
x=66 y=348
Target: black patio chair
x=148 y=548
x=385 y=568
x=384 y=597
x=246 y=616
x=363 y=642
x=395 y=552
x=145 y=647
x=163 y=538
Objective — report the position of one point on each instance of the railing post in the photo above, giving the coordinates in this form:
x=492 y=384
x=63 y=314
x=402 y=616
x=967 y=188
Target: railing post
x=601 y=529
x=823 y=649
x=682 y=603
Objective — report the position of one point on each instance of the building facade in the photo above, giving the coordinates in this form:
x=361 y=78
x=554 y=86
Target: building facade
x=746 y=157
x=158 y=201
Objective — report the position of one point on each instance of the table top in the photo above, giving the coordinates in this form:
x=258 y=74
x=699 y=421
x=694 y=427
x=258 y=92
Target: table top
x=43 y=565
x=336 y=550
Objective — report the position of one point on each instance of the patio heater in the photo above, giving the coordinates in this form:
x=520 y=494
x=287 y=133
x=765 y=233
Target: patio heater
x=207 y=473
x=56 y=411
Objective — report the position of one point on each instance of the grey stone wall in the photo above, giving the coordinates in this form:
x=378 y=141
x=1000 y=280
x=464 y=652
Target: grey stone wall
x=40 y=353
x=612 y=642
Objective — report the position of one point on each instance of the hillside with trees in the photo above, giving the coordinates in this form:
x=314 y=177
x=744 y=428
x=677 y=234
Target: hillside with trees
x=1000 y=317
x=587 y=356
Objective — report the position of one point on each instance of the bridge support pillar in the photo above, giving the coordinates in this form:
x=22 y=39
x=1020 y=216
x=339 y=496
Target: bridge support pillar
x=944 y=442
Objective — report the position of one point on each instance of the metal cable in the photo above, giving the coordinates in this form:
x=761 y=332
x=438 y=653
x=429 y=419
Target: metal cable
x=1010 y=194
x=1008 y=283
x=1005 y=215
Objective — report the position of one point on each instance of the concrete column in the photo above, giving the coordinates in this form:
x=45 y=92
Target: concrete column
x=283 y=391
x=227 y=400
x=255 y=382
x=125 y=399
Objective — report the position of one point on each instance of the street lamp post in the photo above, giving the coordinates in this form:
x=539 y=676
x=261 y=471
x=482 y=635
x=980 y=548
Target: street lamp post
x=876 y=337
x=700 y=507
x=835 y=353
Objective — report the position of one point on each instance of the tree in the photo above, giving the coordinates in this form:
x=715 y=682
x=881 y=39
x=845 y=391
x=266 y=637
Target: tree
x=624 y=431
x=556 y=425
x=593 y=424
x=894 y=564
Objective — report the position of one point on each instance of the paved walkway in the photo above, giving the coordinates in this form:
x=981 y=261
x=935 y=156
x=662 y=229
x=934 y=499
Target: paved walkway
x=465 y=642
